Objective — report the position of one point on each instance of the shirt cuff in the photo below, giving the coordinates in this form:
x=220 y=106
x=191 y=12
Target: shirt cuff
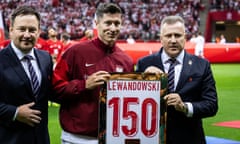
x=190 y=109
x=15 y=115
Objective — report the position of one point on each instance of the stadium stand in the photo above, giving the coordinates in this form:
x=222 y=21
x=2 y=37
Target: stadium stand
x=141 y=20
x=223 y=18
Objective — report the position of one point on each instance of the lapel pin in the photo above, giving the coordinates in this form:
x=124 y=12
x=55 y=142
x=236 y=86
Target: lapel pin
x=190 y=79
x=190 y=62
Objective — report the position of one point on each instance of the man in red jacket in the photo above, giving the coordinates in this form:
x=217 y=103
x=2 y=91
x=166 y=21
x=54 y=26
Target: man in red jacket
x=54 y=45
x=89 y=34
x=82 y=69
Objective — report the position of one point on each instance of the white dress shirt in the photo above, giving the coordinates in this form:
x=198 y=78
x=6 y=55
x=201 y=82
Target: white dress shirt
x=20 y=56
x=178 y=68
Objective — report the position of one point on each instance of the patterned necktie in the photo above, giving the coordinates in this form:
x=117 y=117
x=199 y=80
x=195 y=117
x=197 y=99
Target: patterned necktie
x=171 y=74
x=34 y=78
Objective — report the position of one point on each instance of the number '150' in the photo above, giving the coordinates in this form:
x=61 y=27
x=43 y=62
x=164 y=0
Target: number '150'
x=149 y=125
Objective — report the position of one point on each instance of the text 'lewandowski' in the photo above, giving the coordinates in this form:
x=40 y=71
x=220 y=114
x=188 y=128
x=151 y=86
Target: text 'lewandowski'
x=133 y=85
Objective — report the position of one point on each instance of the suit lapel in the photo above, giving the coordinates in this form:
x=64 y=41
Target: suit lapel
x=158 y=60
x=42 y=62
x=16 y=65
x=187 y=66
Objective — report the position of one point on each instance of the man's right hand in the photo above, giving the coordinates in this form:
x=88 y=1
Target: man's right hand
x=28 y=115
x=97 y=79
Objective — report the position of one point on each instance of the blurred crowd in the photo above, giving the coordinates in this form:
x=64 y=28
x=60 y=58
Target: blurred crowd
x=141 y=19
x=224 y=5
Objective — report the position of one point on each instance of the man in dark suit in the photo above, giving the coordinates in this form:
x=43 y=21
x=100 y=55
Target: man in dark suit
x=193 y=95
x=25 y=82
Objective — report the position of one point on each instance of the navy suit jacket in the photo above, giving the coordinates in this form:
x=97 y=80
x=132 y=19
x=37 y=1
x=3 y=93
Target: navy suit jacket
x=15 y=90
x=196 y=85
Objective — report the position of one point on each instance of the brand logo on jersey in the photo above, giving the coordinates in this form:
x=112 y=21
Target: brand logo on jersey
x=88 y=64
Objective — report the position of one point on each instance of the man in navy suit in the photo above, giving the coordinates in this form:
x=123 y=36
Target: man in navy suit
x=23 y=107
x=194 y=93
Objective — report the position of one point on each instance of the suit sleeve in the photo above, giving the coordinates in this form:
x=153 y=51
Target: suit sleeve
x=7 y=111
x=143 y=63
x=208 y=105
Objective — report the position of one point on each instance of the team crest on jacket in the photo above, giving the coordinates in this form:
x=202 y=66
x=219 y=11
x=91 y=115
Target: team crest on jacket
x=119 y=68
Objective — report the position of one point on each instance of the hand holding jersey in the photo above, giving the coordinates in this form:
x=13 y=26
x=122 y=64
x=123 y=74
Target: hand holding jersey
x=96 y=79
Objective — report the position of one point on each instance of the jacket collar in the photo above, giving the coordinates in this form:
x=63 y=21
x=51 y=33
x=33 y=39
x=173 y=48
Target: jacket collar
x=99 y=44
x=20 y=54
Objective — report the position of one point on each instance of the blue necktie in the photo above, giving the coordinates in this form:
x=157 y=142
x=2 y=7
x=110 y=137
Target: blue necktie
x=34 y=78
x=171 y=74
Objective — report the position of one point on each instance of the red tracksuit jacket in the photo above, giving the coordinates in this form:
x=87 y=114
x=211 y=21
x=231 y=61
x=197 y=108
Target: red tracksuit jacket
x=79 y=107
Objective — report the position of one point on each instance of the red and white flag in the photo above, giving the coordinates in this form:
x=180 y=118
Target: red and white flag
x=1 y=27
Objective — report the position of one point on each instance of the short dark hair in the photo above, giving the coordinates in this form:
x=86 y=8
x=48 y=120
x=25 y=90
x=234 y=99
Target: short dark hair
x=25 y=10
x=65 y=36
x=104 y=8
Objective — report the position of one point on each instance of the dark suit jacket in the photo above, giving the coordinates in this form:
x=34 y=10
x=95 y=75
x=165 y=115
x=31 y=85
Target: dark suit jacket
x=196 y=85
x=15 y=90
